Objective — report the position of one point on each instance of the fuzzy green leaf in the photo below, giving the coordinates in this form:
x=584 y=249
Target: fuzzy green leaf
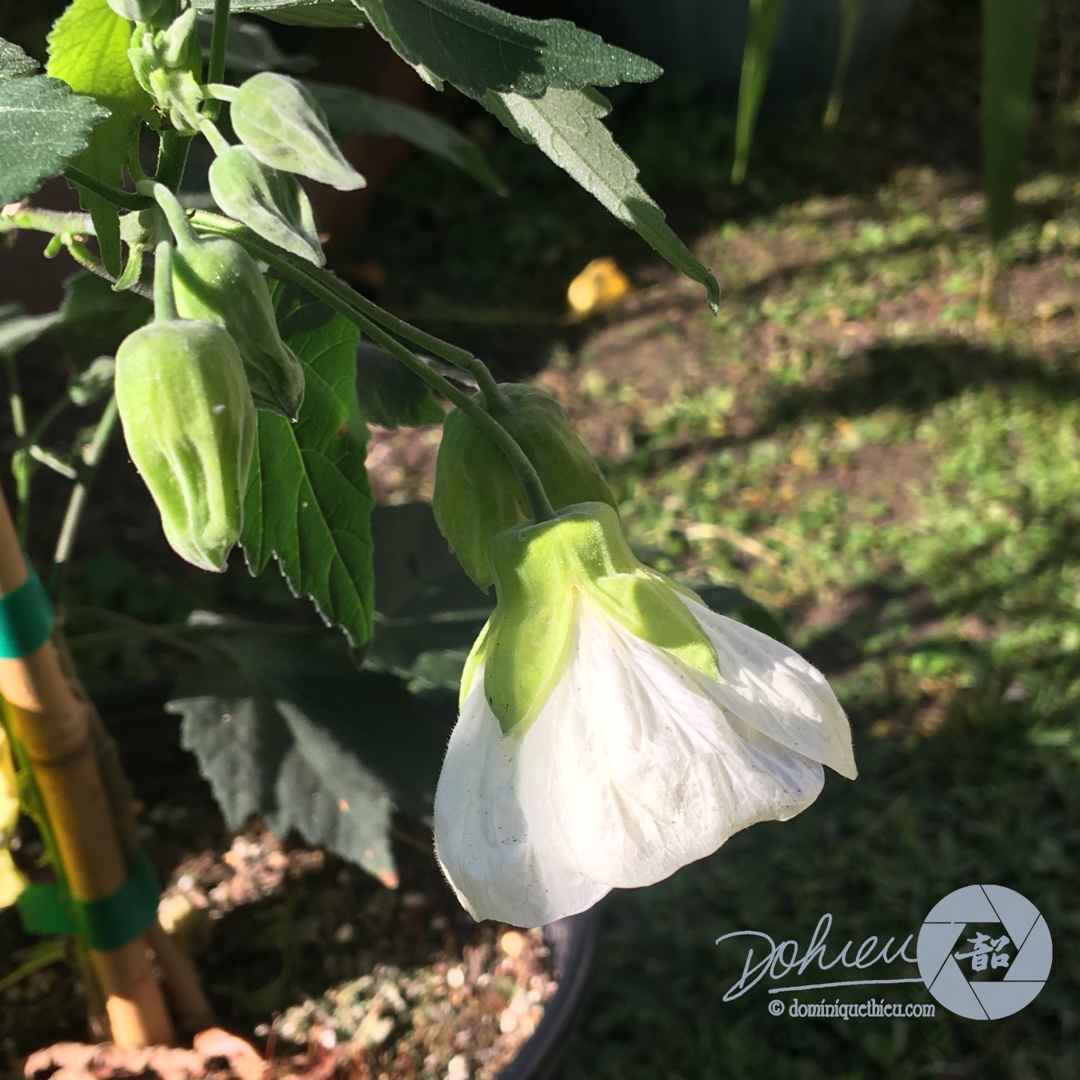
x=566 y=125
x=294 y=12
x=351 y=110
x=478 y=48
x=42 y=124
x=88 y=50
x=287 y=728
x=308 y=501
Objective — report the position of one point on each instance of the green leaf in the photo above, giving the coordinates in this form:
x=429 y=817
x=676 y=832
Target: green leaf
x=351 y=110
x=429 y=612
x=88 y=50
x=1010 y=37
x=480 y=49
x=308 y=501
x=17 y=329
x=250 y=47
x=14 y=63
x=95 y=319
x=284 y=726
x=390 y=394
x=42 y=124
x=851 y=13
x=757 y=59
x=294 y=12
x=566 y=126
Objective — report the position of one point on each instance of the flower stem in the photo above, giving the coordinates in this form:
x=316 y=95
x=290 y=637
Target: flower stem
x=452 y=354
x=172 y=159
x=164 y=301
x=215 y=68
x=338 y=296
x=77 y=500
x=126 y=200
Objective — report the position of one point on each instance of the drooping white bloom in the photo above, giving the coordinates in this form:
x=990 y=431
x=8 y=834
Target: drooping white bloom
x=613 y=729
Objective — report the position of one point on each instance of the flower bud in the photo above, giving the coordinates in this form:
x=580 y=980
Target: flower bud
x=189 y=424
x=270 y=203
x=477 y=492
x=137 y=11
x=282 y=124
x=168 y=65
x=216 y=279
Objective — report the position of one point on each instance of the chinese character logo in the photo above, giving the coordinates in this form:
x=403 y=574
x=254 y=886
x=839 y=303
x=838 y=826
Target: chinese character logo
x=977 y=971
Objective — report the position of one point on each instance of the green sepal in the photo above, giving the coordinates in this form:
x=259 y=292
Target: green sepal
x=477 y=493
x=281 y=123
x=270 y=203
x=541 y=573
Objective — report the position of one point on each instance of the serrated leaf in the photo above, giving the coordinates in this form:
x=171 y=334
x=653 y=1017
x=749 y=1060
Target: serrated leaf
x=308 y=502
x=88 y=50
x=286 y=728
x=1010 y=38
x=14 y=63
x=351 y=110
x=294 y=12
x=389 y=393
x=429 y=611
x=566 y=126
x=42 y=124
x=478 y=48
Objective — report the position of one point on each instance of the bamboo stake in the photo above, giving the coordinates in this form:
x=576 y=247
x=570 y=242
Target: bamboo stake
x=53 y=728
x=190 y=1005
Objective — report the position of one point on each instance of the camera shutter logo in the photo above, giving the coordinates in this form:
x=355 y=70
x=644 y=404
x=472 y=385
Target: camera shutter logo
x=951 y=934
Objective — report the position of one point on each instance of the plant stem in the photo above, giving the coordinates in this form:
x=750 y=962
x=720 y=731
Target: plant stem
x=20 y=464
x=77 y=500
x=61 y=223
x=172 y=157
x=452 y=354
x=126 y=625
x=215 y=68
x=338 y=296
x=126 y=200
x=164 y=301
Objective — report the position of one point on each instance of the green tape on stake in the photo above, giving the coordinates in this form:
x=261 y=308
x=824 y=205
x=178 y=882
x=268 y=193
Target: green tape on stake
x=26 y=618
x=103 y=924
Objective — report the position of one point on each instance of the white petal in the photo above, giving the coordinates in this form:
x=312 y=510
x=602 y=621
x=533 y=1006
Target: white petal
x=773 y=689
x=631 y=770
x=482 y=840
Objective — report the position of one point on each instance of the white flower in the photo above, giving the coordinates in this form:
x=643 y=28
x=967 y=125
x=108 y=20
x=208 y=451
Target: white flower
x=618 y=759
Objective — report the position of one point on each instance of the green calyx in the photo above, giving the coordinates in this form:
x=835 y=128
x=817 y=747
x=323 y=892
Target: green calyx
x=542 y=574
x=477 y=493
x=271 y=203
x=189 y=425
x=281 y=123
x=217 y=280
